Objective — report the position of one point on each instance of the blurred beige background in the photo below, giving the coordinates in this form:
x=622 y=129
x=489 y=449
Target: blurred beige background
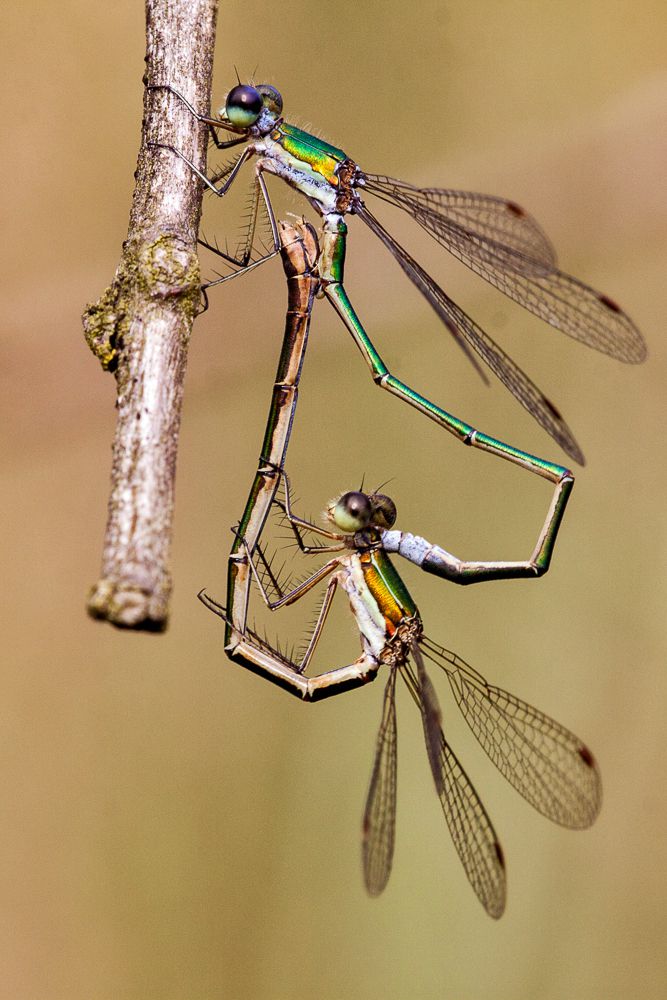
x=174 y=828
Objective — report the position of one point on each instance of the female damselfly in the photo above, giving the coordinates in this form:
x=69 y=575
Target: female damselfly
x=545 y=762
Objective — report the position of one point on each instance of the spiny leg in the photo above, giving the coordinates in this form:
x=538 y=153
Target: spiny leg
x=299 y=523
x=255 y=654
x=244 y=262
x=219 y=191
x=259 y=657
x=209 y=120
x=259 y=189
x=289 y=598
x=296 y=593
x=238 y=260
x=319 y=626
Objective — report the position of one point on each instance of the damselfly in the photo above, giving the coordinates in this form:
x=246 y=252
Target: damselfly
x=493 y=236
x=544 y=761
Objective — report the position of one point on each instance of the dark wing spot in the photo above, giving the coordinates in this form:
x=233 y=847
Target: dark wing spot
x=609 y=303
x=500 y=855
x=586 y=756
x=514 y=208
x=550 y=406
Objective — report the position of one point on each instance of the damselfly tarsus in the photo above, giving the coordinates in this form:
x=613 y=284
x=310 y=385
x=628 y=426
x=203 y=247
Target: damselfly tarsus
x=544 y=761
x=493 y=236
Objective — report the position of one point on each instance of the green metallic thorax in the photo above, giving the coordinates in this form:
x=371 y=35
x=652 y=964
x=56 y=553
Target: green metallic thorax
x=319 y=155
x=387 y=588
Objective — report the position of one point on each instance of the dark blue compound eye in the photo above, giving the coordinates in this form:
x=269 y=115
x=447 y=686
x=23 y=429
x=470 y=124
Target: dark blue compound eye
x=243 y=105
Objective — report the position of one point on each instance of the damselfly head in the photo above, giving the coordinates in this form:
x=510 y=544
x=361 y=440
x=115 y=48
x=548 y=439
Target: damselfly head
x=245 y=104
x=352 y=512
x=355 y=511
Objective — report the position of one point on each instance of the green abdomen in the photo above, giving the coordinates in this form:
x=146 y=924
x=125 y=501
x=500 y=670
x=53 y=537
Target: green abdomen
x=390 y=593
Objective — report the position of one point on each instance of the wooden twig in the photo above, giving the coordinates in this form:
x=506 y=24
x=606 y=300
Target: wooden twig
x=140 y=327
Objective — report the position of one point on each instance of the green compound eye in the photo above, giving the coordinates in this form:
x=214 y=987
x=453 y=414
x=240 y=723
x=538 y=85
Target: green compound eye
x=243 y=106
x=352 y=512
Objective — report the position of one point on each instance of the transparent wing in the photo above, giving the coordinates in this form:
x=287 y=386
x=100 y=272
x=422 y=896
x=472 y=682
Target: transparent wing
x=506 y=247
x=379 y=823
x=545 y=762
x=509 y=373
x=431 y=719
x=471 y=225
x=471 y=829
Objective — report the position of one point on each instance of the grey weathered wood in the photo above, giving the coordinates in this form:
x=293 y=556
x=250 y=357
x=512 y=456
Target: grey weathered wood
x=140 y=326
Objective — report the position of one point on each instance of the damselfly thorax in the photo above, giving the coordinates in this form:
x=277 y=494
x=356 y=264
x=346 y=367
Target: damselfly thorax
x=386 y=615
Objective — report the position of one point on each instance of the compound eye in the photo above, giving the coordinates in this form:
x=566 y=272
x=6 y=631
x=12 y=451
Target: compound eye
x=271 y=97
x=384 y=510
x=352 y=512
x=243 y=105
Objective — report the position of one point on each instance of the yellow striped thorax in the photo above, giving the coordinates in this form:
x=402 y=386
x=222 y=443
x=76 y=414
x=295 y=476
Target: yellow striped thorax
x=387 y=589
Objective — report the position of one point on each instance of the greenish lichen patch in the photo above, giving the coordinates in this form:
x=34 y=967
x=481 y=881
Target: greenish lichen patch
x=167 y=268
x=162 y=269
x=102 y=327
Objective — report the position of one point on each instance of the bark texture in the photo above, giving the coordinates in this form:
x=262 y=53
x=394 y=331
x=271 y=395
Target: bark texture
x=140 y=326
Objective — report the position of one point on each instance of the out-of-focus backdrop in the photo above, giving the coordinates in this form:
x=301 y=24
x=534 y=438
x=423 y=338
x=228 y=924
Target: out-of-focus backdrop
x=174 y=828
